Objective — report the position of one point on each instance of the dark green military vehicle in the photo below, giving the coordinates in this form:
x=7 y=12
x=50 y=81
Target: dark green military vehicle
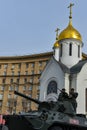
x=51 y=115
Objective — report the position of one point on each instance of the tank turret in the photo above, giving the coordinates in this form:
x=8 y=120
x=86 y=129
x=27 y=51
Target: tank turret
x=64 y=106
x=41 y=105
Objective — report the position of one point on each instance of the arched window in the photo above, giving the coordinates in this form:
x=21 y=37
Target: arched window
x=52 y=87
x=61 y=46
x=70 y=49
x=78 y=50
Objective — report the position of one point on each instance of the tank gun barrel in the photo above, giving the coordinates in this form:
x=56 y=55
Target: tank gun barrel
x=27 y=97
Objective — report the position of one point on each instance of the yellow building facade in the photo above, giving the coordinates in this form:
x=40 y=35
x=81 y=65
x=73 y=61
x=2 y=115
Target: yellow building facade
x=20 y=73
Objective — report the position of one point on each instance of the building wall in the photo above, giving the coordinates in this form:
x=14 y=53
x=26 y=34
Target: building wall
x=20 y=73
x=81 y=89
x=70 y=55
x=52 y=72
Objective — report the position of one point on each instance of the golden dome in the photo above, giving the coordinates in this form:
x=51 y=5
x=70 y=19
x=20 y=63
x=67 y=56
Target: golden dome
x=70 y=32
x=56 y=44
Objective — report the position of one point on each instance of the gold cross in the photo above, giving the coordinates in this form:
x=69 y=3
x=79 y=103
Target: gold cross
x=70 y=6
x=57 y=30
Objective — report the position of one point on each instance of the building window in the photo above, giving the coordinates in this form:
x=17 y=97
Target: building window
x=15 y=103
x=11 y=88
x=8 y=104
x=25 y=80
x=9 y=96
x=2 y=88
x=78 y=50
x=24 y=88
x=31 y=80
x=4 y=73
x=11 y=80
x=15 y=96
x=12 y=73
x=40 y=71
x=52 y=87
x=61 y=49
x=32 y=65
x=26 y=72
x=70 y=49
x=37 y=96
x=18 y=73
x=5 y=66
x=13 y=66
x=19 y=65
x=40 y=63
x=32 y=72
x=1 y=96
x=28 y=104
x=17 y=80
x=27 y=64
x=16 y=88
x=3 y=81
x=29 y=95
x=30 y=88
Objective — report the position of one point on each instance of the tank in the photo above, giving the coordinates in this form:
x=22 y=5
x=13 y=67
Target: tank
x=59 y=115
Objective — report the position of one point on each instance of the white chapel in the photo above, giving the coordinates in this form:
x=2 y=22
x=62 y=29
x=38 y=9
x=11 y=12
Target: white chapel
x=66 y=69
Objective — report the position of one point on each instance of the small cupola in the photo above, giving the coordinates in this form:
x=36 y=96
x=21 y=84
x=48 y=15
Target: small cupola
x=56 y=46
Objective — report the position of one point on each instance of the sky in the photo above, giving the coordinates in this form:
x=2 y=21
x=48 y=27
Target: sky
x=28 y=26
